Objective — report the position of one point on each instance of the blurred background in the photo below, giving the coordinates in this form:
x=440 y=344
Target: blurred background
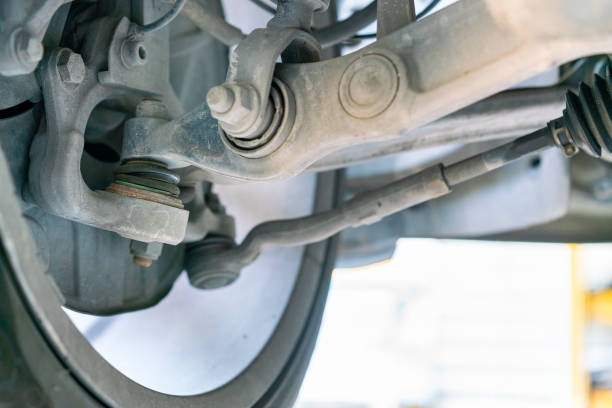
x=443 y=324
x=468 y=324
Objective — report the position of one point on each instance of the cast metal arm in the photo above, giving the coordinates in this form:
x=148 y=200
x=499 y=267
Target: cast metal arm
x=586 y=124
x=426 y=70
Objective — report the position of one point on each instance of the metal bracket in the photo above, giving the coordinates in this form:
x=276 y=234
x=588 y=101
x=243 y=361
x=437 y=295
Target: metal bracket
x=251 y=111
x=71 y=91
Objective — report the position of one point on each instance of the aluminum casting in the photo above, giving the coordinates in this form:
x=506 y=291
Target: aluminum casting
x=71 y=91
x=493 y=46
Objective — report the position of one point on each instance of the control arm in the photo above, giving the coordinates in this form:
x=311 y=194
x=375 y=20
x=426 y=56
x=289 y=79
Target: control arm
x=413 y=76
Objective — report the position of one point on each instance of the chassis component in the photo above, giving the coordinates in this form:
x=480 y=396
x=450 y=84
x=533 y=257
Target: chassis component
x=406 y=79
x=586 y=125
x=363 y=209
x=55 y=180
x=273 y=122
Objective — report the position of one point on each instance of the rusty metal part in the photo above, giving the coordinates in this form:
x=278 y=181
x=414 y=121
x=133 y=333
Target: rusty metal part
x=137 y=191
x=145 y=262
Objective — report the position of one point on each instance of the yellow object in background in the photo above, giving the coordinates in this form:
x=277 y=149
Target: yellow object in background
x=596 y=306
x=601 y=399
x=580 y=381
x=599 y=306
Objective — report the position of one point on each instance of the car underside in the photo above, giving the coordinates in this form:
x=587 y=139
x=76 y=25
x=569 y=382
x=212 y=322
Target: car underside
x=144 y=139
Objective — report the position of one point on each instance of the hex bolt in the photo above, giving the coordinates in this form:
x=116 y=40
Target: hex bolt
x=71 y=67
x=220 y=98
x=236 y=105
x=133 y=53
x=27 y=49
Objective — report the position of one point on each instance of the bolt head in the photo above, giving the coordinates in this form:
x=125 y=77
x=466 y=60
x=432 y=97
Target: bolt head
x=220 y=98
x=244 y=107
x=71 y=67
x=28 y=49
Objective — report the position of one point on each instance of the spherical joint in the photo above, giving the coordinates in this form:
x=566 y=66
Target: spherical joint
x=70 y=67
x=202 y=265
x=27 y=49
x=133 y=53
x=368 y=86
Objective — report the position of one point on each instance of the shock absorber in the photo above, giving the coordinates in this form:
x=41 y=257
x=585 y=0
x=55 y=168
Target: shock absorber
x=586 y=123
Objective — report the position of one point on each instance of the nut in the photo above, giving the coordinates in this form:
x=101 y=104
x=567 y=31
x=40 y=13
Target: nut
x=71 y=67
x=220 y=99
x=243 y=109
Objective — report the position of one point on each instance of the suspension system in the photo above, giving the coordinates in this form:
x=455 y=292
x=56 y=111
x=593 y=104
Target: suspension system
x=586 y=125
x=271 y=121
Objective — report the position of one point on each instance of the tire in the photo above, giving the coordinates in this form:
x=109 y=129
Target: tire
x=45 y=361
